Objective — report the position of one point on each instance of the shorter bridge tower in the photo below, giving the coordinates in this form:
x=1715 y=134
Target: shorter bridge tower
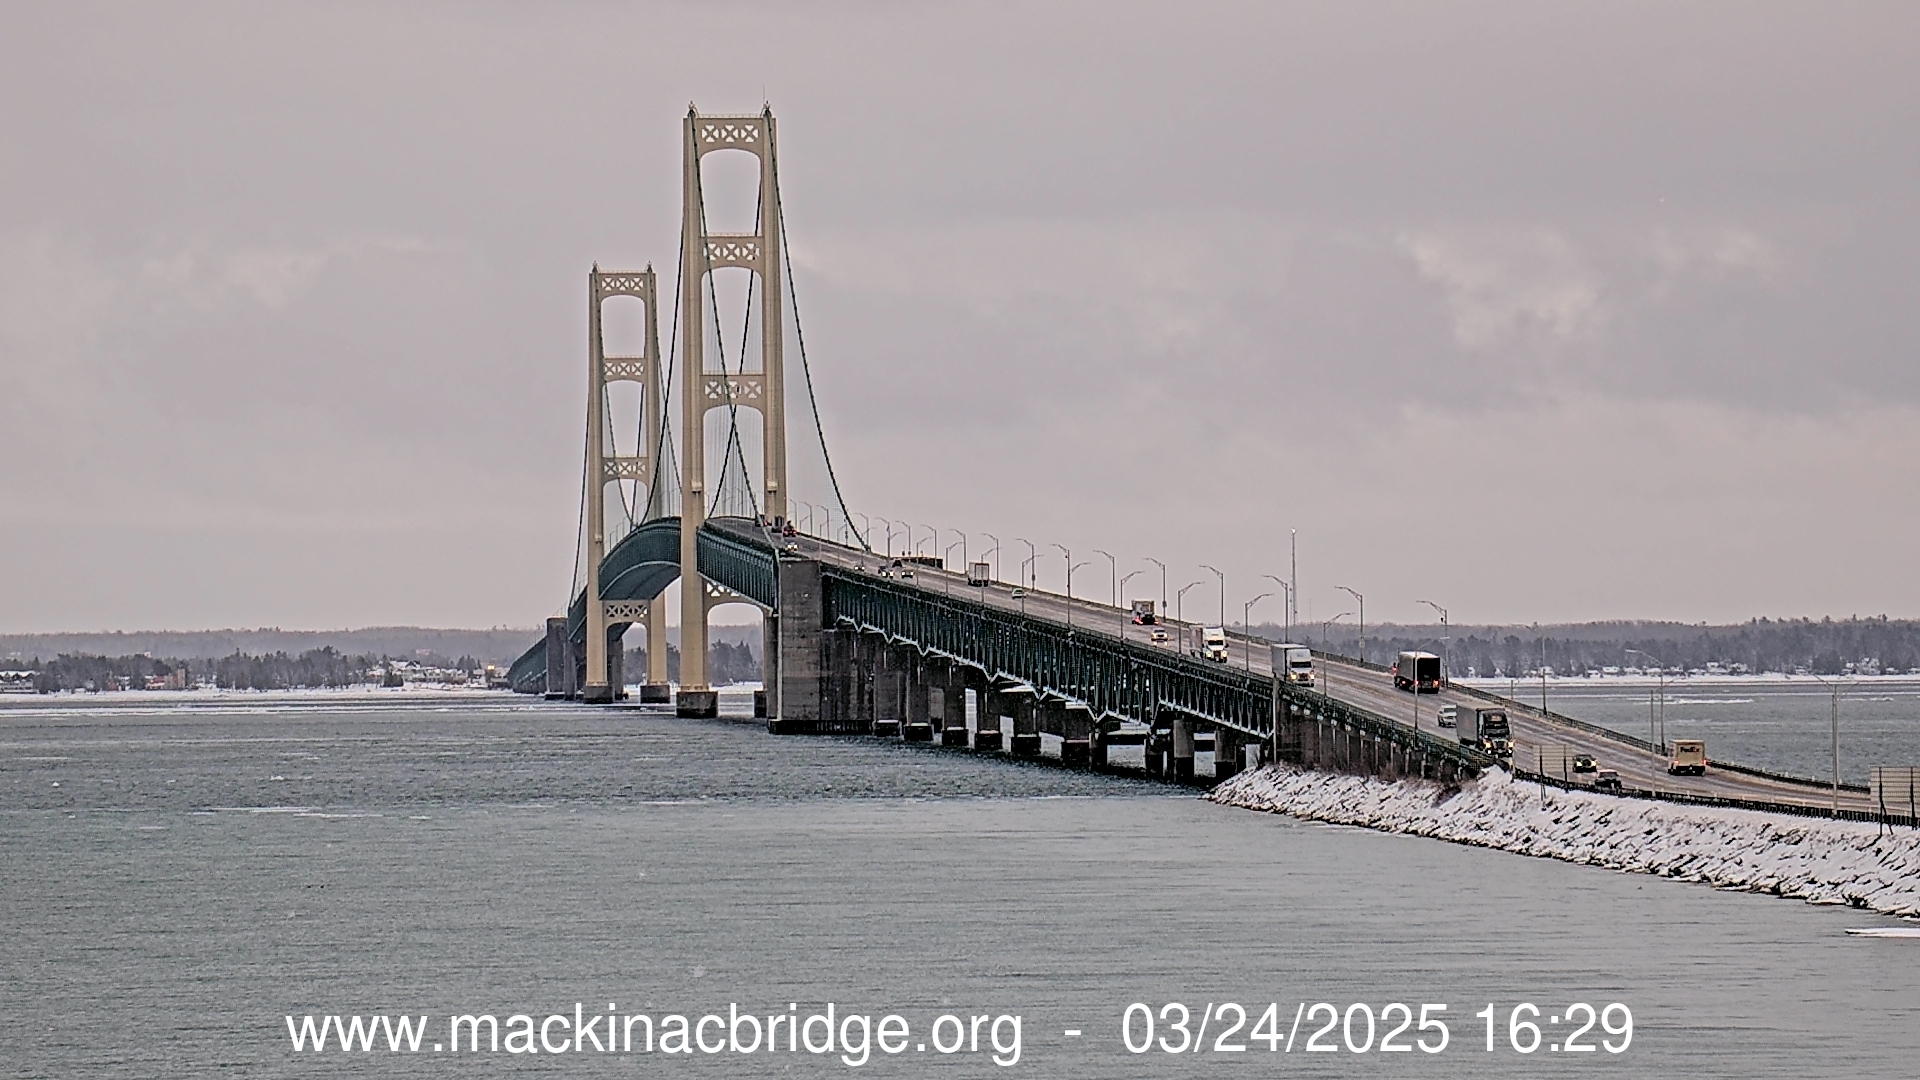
x=606 y=470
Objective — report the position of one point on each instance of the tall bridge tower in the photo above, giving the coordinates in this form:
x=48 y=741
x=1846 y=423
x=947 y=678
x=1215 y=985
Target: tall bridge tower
x=607 y=469
x=704 y=389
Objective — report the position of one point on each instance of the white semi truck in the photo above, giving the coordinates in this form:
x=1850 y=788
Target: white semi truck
x=1293 y=664
x=1210 y=643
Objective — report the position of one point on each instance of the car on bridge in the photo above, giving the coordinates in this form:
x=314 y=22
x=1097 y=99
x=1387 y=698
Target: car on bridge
x=1608 y=780
x=1584 y=763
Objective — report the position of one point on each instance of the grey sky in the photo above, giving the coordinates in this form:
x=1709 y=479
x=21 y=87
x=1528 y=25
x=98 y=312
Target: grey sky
x=1543 y=311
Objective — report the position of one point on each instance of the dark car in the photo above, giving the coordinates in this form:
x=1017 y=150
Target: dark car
x=1584 y=763
x=1607 y=780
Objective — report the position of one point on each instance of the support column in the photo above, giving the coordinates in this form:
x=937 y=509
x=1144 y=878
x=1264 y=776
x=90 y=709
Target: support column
x=656 y=691
x=953 y=709
x=1076 y=736
x=799 y=652
x=559 y=660
x=888 y=689
x=919 y=706
x=1182 y=749
x=1226 y=752
x=1026 y=722
x=987 y=731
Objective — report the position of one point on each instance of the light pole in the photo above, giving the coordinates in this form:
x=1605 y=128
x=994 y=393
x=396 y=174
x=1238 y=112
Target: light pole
x=1124 y=578
x=933 y=536
x=1327 y=625
x=1835 y=687
x=1029 y=564
x=1362 y=601
x=1223 y=595
x=1071 y=567
x=1246 y=628
x=962 y=545
x=1660 y=666
x=996 y=554
x=1163 y=582
x=1026 y=568
x=1179 y=600
x=1446 y=633
x=866 y=530
x=1113 y=574
x=1064 y=550
x=889 y=526
x=1293 y=571
x=1286 y=614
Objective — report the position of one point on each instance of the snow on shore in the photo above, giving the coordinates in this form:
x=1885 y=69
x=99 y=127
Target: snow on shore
x=1820 y=861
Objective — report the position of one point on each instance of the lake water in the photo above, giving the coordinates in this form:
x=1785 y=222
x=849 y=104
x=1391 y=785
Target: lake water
x=1783 y=726
x=179 y=880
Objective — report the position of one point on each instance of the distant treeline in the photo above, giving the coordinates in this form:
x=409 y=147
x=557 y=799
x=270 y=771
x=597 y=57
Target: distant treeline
x=314 y=668
x=727 y=662
x=1826 y=646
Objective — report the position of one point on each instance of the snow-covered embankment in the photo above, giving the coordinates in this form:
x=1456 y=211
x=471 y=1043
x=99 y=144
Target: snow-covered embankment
x=1820 y=861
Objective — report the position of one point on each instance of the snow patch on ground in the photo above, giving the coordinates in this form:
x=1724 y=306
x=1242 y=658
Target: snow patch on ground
x=1820 y=861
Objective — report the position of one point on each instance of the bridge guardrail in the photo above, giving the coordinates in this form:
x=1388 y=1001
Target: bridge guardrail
x=1728 y=802
x=1602 y=732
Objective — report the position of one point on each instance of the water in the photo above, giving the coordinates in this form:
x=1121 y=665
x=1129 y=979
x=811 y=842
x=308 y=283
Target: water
x=1783 y=726
x=201 y=872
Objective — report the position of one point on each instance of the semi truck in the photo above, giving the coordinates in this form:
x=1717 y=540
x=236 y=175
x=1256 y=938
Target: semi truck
x=1143 y=613
x=1293 y=663
x=1210 y=643
x=1487 y=731
x=979 y=574
x=1418 y=672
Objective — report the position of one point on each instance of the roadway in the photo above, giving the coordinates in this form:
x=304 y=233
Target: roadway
x=1535 y=740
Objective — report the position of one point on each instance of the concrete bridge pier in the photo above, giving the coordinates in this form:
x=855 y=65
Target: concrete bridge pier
x=1076 y=736
x=1026 y=721
x=988 y=732
x=919 y=718
x=953 y=708
x=560 y=661
x=1227 y=753
x=889 y=688
x=1181 y=749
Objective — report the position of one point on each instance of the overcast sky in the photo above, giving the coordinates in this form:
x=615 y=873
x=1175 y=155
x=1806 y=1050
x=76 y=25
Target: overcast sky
x=1541 y=311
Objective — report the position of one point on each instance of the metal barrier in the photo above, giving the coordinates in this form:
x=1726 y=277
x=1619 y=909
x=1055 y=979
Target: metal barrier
x=1726 y=802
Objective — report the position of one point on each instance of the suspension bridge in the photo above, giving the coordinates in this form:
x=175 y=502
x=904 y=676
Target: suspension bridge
x=697 y=485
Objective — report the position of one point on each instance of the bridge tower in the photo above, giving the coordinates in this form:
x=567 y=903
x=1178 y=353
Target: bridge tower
x=702 y=389
x=606 y=469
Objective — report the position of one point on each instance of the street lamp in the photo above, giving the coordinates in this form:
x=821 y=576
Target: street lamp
x=962 y=545
x=1246 y=628
x=1327 y=625
x=1835 y=687
x=1029 y=564
x=1163 y=582
x=1286 y=617
x=1113 y=574
x=889 y=526
x=1362 y=601
x=933 y=536
x=996 y=554
x=866 y=530
x=1071 y=567
x=1124 y=578
x=1064 y=550
x=1661 y=667
x=1179 y=597
x=1223 y=595
x=1446 y=672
